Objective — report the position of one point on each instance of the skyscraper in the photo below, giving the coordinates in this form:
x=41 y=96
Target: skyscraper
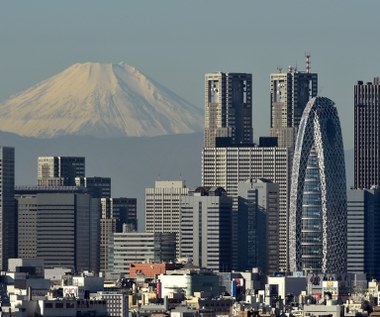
x=8 y=236
x=318 y=200
x=367 y=134
x=96 y=186
x=290 y=92
x=228 y=109
x=59 y=170
x=205 y=234
x=162 y=207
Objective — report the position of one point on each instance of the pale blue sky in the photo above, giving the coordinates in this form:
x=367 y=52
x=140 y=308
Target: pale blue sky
x=176 y=42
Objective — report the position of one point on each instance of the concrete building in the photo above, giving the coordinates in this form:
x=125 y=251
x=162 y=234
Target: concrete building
x=258 y=210
x=96 y=186
x=59 y=170
x=225 y=167
x=363 y=236
x=59 y=225
x=162 y=207
x=318 y=199
x=8 y=218
x=228 y=109
x=205 y=234
x=290 y=92
x=366 y=134
x=126 y=248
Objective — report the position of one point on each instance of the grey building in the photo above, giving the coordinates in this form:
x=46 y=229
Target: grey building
x=126 y=248
x=8 y=218
x=363 y=236
x=205 y=234
x=318 y=198
x=96 y=186
x=258 y=210
x=290 y=92
x=228 y=109
x=225 y=167
x=59 y=225
x=367 y=134
x=59 y=170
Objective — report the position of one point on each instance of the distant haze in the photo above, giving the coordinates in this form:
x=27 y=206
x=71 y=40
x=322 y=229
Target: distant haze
x=103 y=100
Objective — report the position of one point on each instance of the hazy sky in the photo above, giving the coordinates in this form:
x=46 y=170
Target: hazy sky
x=176 y=42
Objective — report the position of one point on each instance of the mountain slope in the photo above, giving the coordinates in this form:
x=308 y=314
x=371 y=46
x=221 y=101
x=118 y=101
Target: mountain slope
x=104 y=100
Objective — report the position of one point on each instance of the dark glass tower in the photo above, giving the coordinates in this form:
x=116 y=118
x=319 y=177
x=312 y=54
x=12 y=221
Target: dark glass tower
x=367 y=134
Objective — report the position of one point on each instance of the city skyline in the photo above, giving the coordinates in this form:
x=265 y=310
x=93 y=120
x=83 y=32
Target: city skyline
x=42 y=43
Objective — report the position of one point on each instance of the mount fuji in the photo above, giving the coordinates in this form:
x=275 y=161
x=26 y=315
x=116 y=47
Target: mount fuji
x=101 y=100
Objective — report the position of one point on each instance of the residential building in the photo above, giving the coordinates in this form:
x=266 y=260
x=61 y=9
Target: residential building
x=318 y=199
x=228 y=109
x=127 y=248
x=290 y=92
x=366 y=134
x=226 y=167
x=258 y=210
x=162 y=207
x=8 y=218
x=59 y=170
x=205 y=229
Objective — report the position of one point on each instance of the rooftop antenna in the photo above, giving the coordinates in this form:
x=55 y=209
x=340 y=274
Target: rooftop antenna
x=308 y=62
x=279 y=69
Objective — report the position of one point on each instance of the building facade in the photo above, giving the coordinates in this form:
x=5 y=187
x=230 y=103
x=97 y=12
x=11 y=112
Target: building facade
x=363 y=246
x=225 y=167
x=96 y=186
x=258 y=210
x=367 y=134
x=162 y=207
x=205 y=234
x=290 y=92
x=228 y=109
x=318 y=199
x=127 y=248
x=59 y=170
x=8 y=217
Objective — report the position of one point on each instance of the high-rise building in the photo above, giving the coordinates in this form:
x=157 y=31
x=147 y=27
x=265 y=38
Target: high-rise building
x=8 y=218
x=258 y=210
x=228 y=109
x=59 y=225
x=205 y=234
x=318 y=199
x=363 y=235
x=290 y=92
x=367 y=134
x=162 y=207
x=127 y=248
x=96 y=186
x=59 y=170
x=226 y=166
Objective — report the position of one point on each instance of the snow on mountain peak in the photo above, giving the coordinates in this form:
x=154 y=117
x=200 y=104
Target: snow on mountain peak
x=104 y=100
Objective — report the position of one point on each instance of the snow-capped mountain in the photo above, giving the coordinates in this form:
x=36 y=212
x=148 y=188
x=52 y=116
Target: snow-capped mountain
x=104 y=100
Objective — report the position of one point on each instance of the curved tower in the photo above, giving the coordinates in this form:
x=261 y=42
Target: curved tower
x=318 y=199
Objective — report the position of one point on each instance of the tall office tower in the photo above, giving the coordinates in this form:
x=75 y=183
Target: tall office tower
x=8 y=218
x=318 y=198
x=228 y=109
x=127 y=248
x=366 y=135
x=290 y=93
x=258 y=210
x=59 y=170
x=96 y=186
x=225 y=167
x=162 y=207
x=116 y=213
x=205 y=234
x=363 y=236
x=59 y=225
